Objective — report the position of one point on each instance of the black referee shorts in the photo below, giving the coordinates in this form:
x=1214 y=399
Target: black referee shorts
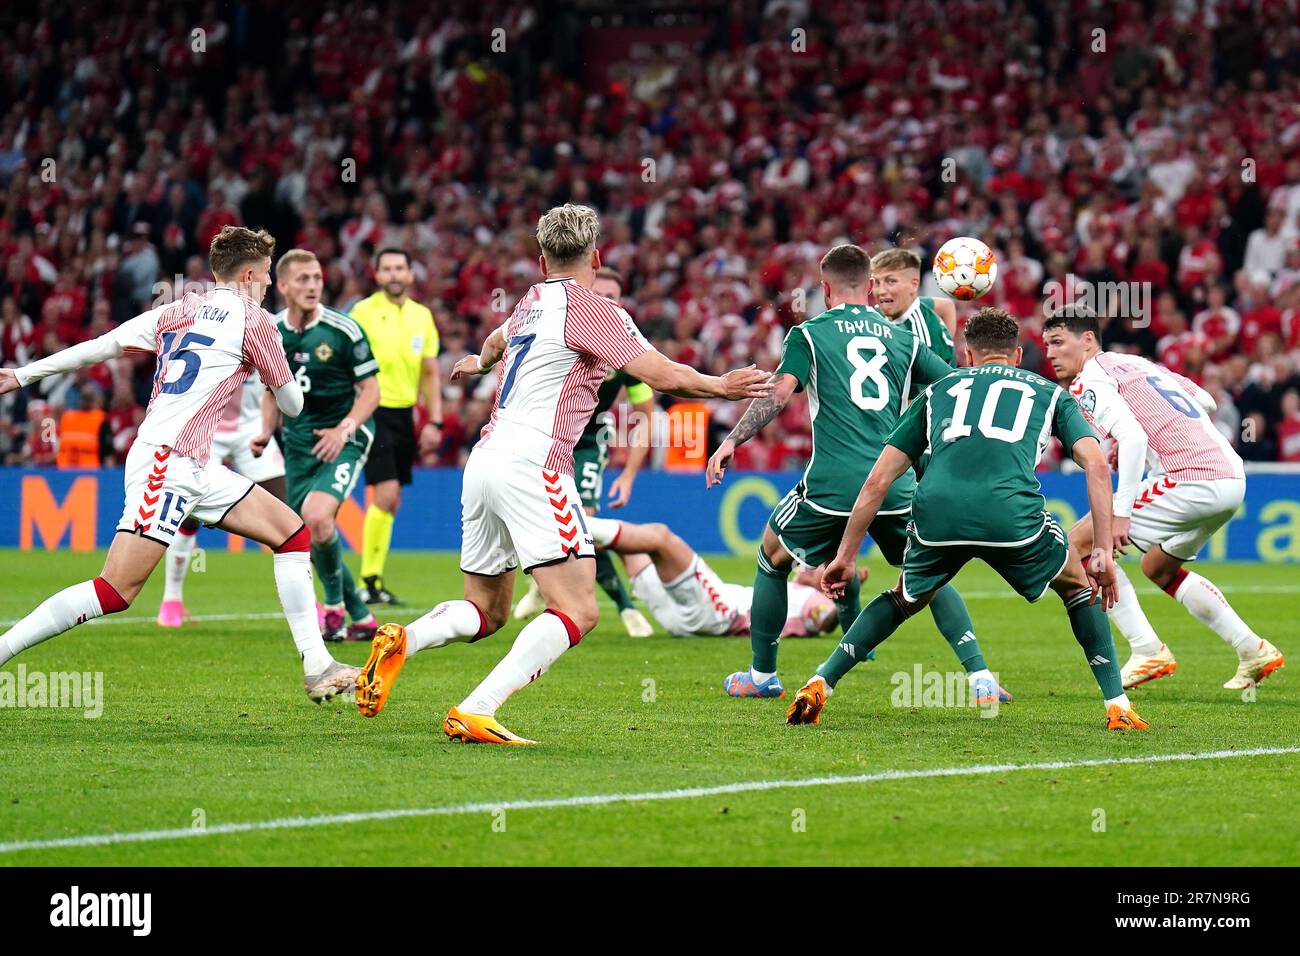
x=393 y=452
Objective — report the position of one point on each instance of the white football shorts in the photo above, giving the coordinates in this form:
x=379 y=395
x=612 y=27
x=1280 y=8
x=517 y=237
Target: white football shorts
x=1181 y=516
x=163 y=488
x=516 y=512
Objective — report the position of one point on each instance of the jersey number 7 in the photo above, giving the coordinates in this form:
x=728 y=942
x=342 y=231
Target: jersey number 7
x=523 y=343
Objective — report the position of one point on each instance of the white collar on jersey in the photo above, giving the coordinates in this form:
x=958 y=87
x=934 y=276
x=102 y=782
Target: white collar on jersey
x=561 y=279
x=913 y=311
x=315 y=317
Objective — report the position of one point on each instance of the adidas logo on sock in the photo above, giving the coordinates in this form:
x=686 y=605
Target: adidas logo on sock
x=847 y=648
x=966 y=638
x=1098 y=660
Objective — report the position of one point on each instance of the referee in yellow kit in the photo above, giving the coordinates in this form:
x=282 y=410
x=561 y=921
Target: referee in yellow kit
x=405 y=343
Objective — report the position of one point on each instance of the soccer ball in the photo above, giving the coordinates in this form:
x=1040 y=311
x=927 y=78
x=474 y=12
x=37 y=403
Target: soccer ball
x=965 y=268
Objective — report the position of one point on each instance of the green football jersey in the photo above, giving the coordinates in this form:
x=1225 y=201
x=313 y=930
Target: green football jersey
x=595 y=434
x=328 y=358
x=986 y=428
x=858 y=368
x=924 y=322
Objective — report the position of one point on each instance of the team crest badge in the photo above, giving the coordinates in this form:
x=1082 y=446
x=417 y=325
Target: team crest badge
x=323 y=351
x=1089 y=401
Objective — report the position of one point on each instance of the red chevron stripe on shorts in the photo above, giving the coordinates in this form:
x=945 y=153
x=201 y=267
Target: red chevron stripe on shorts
x=562 y=512
x=1158 y=488
x=153 y=489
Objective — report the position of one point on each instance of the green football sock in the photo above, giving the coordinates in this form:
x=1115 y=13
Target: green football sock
x=608 y=578
x=877 y=621
x=767 y=615
x=357 y=609
x=953 y=621
x=1092 y=631
x=328 y=558
x=849 y=606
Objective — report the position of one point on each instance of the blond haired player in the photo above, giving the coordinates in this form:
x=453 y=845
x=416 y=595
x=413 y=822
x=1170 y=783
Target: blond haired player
x=1195 y=484
x=896 y=276
x=590 y=456
x=206 y=346
x=519 y=502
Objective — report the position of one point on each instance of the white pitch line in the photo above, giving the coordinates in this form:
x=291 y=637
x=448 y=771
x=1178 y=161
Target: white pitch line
x=1004 y=594
x=603 y=799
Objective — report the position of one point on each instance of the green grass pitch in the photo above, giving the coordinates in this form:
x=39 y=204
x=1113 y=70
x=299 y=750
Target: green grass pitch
x=209 y=725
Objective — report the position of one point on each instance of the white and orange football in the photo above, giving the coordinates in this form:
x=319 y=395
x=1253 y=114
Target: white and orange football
x=965 y=268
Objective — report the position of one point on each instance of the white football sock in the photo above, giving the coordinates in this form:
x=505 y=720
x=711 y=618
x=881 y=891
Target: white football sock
x=1130 y=620
x=759 y=676
x=449 y=622
x=293 y=582
x=176 y=564
x=62 y=612
x=1122 y=700
x=973 y=676
x=536 y=648
x=1211 y=608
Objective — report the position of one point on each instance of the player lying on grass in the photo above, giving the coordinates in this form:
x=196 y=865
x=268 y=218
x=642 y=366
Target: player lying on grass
x=591 y=455
x=239 y=423
x=519 y=501
x=1196 y=484
x=687 y=597
x=326 y=446
x=858 y=369
x=986 y=428
x=206 y=346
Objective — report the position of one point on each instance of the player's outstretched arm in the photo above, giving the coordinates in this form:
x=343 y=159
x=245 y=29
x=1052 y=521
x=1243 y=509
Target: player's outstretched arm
x=757 y=415
x=136 y=333
x=1100 y=565
x=664 y=375
x=493 y=349
x=891 y=463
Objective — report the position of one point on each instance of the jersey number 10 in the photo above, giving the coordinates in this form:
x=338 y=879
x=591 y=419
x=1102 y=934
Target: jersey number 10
x=960 y=429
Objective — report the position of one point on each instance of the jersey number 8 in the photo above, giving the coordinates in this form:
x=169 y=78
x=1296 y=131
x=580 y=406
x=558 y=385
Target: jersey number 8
x=864 y=369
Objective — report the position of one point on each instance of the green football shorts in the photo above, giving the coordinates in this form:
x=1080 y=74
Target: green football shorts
x=305 y=473
x=589 y=472
x=1029 y=568
x=813 y=536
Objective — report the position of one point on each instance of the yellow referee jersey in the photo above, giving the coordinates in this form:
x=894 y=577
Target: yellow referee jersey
x=401 y=337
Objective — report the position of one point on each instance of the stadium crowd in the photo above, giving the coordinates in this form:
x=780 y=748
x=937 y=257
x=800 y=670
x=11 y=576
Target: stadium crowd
x=1153 y=142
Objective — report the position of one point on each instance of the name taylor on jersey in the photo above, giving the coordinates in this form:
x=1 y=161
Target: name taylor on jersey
x=881 y=330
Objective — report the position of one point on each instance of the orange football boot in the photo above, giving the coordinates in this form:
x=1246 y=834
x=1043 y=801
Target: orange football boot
x=808 y=703
x=379 y=673
x=478 y=729
x=1119 y=718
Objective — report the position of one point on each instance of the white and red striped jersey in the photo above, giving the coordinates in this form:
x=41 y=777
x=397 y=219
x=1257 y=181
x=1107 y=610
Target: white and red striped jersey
x=561 y=341
x=207 y=346
x=1117 y=391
